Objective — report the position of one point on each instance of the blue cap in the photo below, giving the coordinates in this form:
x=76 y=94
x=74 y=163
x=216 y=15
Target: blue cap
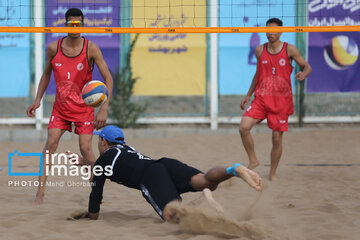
x=112 y=134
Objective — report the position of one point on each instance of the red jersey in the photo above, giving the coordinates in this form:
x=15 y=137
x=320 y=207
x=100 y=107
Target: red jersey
x=71 y=74
x=273 y=83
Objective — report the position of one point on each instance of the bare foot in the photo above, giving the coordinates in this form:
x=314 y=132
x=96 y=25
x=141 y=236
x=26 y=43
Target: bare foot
x=253 y=165
x=208 y=196
x=249 y=176
x=39 y=199
x=272 y=177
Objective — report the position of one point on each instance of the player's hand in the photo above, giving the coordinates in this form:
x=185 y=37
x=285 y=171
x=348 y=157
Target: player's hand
x=244 y=101
x=31 y=109
x=300 y=76
x=100 y=119
x=71 y=156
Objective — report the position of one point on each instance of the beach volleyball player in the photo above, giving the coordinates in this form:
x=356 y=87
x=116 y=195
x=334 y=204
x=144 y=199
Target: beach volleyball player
x=160 y=181
x=273 y=94
x=72 y=60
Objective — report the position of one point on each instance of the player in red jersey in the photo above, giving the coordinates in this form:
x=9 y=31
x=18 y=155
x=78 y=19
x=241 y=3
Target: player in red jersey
x=273 y=94
x=72 y=60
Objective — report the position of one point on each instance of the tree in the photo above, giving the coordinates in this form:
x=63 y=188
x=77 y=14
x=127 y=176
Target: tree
x=122 y=109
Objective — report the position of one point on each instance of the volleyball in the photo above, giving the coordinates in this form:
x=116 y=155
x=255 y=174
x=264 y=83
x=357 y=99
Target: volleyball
x=341 y=52
x=94 y=93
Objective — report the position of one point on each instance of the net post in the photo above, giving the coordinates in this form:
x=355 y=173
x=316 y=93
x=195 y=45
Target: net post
x=39 y=53
x=214 y=9
x=125 y=38
x=301 y=42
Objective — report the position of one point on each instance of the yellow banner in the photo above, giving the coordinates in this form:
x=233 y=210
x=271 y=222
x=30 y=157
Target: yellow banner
x=169 y=64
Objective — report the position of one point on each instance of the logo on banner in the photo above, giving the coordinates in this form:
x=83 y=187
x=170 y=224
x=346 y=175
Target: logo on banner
x=80 y=66
x=341 y=52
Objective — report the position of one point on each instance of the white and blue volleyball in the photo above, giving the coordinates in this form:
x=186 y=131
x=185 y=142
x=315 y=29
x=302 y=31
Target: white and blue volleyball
x=341 y=52
x=94 y=93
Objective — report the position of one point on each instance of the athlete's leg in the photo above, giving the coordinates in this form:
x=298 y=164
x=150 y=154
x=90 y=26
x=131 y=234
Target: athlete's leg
x=211 y=179
x=174 y=215
x=85 y=131
x=52 y=142
x=276 y=152
x=85 y=144
x=216 y=175
x=167 y=214
x=207 y=194
x=246 y=124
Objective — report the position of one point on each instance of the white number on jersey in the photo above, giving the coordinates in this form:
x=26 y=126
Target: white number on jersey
x=139 y=155
x=68 y=75
x=273 y=70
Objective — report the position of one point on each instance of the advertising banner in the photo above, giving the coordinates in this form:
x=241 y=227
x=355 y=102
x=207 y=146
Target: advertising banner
x=101 y=14
x=334 y=55
x=15 y=49
x=169 y=64
x=237 y=61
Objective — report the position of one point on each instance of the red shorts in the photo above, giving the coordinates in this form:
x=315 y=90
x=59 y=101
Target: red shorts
x=275 y=121
x=82 y=127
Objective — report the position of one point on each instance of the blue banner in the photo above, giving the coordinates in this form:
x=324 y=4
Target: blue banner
x=237 y=61
x=334 y=56
x=15 y=49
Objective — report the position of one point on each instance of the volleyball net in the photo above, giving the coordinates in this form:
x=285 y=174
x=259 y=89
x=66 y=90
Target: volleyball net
x=180 y=16
x=194 y=58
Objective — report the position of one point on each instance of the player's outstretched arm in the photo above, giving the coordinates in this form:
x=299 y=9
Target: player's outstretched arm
x=96 y=55
x=96 y=196
x=247 y=98
x=304 y=65
x=45 y=79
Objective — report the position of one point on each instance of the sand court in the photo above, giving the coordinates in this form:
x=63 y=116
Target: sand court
x=316 y=195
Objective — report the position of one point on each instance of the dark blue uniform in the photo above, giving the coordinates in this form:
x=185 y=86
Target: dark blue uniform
x=160 y=181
